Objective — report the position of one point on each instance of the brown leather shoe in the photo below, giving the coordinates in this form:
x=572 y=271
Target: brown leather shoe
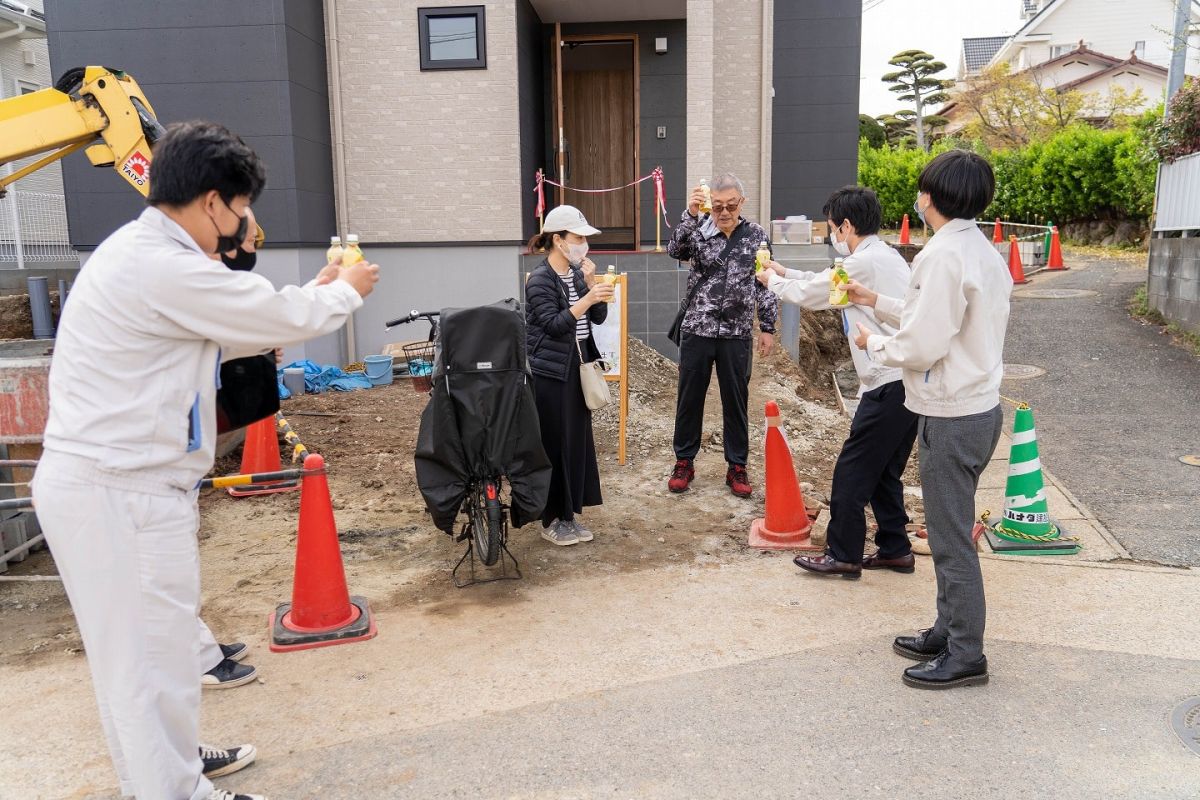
x=826 y=565
x=903 y=564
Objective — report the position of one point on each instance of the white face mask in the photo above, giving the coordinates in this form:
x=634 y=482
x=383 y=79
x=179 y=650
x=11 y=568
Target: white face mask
x=576 y=253
x=839 y=245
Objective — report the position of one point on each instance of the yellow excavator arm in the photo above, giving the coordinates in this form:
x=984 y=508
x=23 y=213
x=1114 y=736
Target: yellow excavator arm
x=96 y=108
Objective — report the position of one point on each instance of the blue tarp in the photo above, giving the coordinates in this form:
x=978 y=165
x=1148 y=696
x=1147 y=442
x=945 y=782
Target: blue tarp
x=318 y=379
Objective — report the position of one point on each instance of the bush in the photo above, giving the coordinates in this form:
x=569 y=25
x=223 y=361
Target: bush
x=1179 y=136
x=1078 y=175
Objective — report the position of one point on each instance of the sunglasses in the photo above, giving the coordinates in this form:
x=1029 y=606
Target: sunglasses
x=729 y=207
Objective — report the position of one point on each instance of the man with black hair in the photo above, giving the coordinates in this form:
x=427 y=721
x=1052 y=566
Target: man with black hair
x=950 y=344
x=872 y=460
x=132 y=430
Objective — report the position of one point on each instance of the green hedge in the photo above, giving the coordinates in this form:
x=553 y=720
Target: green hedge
x=1080 y=174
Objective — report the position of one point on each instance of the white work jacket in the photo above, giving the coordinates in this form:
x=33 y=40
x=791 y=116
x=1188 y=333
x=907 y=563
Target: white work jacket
x=133 y=377
x=876 y=265
x=951 y=321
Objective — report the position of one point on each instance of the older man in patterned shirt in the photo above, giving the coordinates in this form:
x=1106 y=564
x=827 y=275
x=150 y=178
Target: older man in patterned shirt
x=718 y=326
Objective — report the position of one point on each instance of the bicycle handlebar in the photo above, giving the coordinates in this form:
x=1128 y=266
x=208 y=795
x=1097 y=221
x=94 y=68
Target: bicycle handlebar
x=413 y=316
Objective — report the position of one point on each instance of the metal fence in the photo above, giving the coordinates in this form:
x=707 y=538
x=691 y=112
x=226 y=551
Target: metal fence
x=1031 y=241
x=33 y=230
x=1177 y=198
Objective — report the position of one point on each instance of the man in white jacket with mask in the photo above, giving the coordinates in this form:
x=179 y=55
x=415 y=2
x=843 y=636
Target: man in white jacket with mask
x=132 y=431
x=950 y=344
x=873 y=459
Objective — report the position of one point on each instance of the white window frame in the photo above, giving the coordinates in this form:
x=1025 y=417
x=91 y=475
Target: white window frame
x=20 y=85
x=1139 y=49
x=1060 y=50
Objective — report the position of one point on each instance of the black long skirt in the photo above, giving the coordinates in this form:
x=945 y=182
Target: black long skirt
x=566 y=425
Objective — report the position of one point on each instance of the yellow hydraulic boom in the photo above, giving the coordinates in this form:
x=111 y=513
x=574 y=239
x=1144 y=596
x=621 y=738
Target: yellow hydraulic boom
x=96 y=108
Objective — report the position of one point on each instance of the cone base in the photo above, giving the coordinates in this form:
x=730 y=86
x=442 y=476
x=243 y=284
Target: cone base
x=284 y=639
x=763 y=538
x=1008 y=547
x=1057 y=269
x=253 y=489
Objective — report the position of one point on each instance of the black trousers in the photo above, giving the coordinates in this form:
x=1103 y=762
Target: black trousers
x=732 y=357
x=869 y=470
x=567 y=436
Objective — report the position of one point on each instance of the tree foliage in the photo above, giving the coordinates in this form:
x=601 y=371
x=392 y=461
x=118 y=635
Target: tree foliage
x=870 y=129
x=1013 y=110
x=1179 y=134
x=915 y=83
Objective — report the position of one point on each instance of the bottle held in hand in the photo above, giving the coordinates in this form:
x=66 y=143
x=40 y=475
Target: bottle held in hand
x=762 y=258
x=838 y=279
x=353 y=253
x=706 y=206
x=334 y=254
x=610 y=277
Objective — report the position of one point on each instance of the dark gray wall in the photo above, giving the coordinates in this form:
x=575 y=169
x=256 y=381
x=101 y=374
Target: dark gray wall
x=815 y=135
x=662 y=101
x=1174 y=282
x=532 y=43
x=256 y=67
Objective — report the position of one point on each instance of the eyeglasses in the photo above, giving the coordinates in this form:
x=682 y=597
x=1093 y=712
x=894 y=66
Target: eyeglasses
x=729 y=207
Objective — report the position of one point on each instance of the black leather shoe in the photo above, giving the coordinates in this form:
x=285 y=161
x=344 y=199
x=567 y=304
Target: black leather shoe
x=943 y=672
x=921 y=647
x=904 y=564
x=827 y=565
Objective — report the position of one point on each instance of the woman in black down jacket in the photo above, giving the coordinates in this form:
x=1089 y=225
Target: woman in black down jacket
x=563 y=300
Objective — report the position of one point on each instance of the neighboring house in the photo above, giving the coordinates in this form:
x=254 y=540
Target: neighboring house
x=421 y=125
x=33 y=227
x=1100 y=48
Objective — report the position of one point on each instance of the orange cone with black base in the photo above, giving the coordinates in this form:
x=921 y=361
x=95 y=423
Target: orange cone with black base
x=322 y=613
x=260 y=454
x=904 y=230
x=1014 y=262
x=1055 y=261
x=998 y=233
x=787 y=524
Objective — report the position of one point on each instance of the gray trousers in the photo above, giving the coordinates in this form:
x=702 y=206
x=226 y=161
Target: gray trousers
x=953 y=453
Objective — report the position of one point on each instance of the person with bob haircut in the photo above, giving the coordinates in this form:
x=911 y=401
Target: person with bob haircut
x=950 y=344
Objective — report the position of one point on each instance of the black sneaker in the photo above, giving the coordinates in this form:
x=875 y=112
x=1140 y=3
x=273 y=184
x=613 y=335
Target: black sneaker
x=234 y=652
x=221 y=794
x=218 y=762
x=227 y=675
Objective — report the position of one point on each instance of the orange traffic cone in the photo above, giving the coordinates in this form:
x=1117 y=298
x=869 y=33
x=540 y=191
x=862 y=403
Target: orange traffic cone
x=904 y=230
x=1055 y=261
x=321 y=613
x=787 y=522
x=260 y=454
x=997 y=233
x=1014 y=262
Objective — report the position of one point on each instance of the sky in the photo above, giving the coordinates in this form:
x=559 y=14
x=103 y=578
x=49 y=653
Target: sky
x=935 y=26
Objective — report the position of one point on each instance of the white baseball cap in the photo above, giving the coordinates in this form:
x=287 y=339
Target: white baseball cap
x=568 y=218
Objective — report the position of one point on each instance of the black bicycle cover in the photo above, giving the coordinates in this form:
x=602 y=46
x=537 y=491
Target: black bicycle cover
x=481 y=421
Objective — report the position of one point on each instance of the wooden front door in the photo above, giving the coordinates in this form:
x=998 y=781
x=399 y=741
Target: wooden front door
x=599 y=133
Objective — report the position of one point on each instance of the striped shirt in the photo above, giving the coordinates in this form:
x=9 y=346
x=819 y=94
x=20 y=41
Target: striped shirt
x=582 y=326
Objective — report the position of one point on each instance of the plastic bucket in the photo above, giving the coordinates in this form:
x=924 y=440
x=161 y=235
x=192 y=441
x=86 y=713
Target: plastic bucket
x=420 y=365
x=293 y=379
x=378 y=369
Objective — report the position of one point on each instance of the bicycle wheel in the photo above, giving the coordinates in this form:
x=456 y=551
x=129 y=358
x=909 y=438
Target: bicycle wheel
x=487 y=519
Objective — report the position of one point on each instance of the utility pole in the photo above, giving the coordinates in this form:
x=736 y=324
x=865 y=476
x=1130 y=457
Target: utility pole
x=1180 y=50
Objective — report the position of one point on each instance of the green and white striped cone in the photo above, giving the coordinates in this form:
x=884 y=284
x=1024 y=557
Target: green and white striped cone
x=1025 y=510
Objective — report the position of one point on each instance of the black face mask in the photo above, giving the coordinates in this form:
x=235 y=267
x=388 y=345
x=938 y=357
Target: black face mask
x=243 y=261
x=234 y=242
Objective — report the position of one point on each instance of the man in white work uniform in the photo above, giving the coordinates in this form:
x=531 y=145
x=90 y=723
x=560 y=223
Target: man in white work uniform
x=132 y=431
x=873 y=459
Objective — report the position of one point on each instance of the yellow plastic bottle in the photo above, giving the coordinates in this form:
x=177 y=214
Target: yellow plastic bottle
x=838 y=278
x=334 y=254
x=353 y=253
x=762 y=257
x=610 y=277
x=706 y=206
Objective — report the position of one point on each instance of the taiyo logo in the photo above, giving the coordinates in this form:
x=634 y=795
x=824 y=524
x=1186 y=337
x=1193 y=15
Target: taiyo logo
x=137 y=168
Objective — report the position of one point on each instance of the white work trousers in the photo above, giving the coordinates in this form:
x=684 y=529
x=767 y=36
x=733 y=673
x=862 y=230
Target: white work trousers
x=130 y=564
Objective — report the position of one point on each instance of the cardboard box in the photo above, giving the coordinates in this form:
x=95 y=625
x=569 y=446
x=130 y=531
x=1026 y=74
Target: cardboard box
x=820 y=231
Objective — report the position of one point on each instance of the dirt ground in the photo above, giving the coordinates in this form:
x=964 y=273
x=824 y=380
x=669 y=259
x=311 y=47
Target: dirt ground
x=16 y=317
x=393 y=554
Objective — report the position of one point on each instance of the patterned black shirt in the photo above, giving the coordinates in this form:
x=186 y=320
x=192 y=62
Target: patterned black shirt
x=725 y=303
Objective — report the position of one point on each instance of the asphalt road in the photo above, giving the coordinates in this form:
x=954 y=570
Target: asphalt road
x=1116 y=409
